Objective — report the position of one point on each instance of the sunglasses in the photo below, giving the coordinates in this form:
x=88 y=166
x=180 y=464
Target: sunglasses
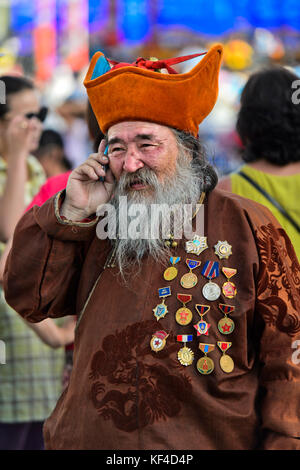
x=41 y=115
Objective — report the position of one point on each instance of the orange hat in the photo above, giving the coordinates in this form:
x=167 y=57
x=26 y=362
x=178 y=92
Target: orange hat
x=136 y=92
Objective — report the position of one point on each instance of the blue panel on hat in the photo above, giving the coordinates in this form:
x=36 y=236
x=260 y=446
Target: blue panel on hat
x=102 y=66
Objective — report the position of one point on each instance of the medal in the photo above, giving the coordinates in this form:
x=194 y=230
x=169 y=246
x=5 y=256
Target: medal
x=197 y=245
x=211 y=291
x=226 y=362
x=202 y=327
x=185 y=355
x=161 y=310
x=184 y=315
x=190 y=279
x=171 y=272
x=205 y=365
x=158 y=341
x=226 y=325
x=229 y=289
x=223 y=249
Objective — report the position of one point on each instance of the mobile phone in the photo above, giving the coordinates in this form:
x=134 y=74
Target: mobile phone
x=105 y=167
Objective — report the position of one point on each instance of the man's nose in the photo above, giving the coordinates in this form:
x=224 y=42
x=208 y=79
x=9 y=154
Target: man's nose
x=132 y=161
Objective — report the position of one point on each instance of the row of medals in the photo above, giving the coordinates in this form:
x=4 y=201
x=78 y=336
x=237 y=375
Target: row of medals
x=211 y=291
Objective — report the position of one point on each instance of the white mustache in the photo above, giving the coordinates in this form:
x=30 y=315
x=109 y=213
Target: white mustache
x=144 y=176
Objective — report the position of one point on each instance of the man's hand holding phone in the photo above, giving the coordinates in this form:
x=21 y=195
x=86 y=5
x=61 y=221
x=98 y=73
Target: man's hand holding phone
x=89 y=186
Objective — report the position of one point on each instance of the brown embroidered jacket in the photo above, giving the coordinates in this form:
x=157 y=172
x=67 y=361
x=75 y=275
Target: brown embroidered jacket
x=123 y=395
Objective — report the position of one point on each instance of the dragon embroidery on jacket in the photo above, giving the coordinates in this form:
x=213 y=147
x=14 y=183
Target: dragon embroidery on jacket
x=279 y=271
x=147 y=391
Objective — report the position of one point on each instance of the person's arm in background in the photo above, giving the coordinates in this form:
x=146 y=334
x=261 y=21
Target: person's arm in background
x=3 y=259
x=12 y=203
x=51 y=334
x=50 y=188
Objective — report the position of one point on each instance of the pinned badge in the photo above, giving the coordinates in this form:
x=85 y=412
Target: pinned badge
x=226 y=362
x=223 y=249
x=185 y=355
x=161 y=310
x=202 y=326
x=196 y=245
x=205 y=365
x=190 y=279
x=229 y=289
x=211 y=291
x=184 y=315
x=158 y=340
x=226 y=325
x=171 y=272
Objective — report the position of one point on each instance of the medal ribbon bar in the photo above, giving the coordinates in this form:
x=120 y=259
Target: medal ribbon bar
x=210 y=269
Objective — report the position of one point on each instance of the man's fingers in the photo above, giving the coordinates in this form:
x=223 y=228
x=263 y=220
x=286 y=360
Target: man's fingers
x=98 y=167
x=99 y=158
x=92 y=169
x=102 y=146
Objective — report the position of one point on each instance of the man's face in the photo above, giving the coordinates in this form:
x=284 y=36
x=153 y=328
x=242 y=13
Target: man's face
x=133 y=145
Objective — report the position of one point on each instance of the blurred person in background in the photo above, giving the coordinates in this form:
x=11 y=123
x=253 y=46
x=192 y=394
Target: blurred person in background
x=51 y=153
x=31 y=379
x=268 y=124
x=76 y=134
x=59 y=182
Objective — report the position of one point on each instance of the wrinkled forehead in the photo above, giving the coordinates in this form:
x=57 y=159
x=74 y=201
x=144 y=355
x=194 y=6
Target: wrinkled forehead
x=130 y=130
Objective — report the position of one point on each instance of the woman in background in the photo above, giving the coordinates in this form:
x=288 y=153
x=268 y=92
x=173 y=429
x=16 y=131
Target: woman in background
x=30 y=379
x=269 y=126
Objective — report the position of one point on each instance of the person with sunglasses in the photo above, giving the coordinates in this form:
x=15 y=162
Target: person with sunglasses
x=31 y=378
x=21 y=175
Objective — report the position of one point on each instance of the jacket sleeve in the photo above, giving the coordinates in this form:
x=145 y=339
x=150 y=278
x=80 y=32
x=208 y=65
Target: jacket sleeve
x=278 y=305
x=44 y=265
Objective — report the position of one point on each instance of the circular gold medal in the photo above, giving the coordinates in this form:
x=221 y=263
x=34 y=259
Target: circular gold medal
x=188 y=280
x=170 y=273
x=185 y=356
x=226 y=363
x=226 y=326
x=184 y=316
x=205 y=365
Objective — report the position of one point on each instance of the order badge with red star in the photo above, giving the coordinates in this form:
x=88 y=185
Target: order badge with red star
x=226 y=324
x=158 y=340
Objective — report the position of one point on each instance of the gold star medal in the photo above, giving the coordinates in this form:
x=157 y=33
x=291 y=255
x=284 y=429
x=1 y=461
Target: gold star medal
x=171 y=272
x=190 y=279
x=223 y=249
x=226 y=325
x=158 y=341
x=229 y=289
x=196 y=245
x=185 y=355
x=161 y=310
x=205 y=365
x=184 y=315
x=226 y=362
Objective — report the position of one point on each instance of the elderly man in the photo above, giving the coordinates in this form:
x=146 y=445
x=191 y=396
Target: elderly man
x=181 y=343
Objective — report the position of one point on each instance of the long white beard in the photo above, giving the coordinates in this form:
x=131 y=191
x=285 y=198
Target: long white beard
x=183 y=188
